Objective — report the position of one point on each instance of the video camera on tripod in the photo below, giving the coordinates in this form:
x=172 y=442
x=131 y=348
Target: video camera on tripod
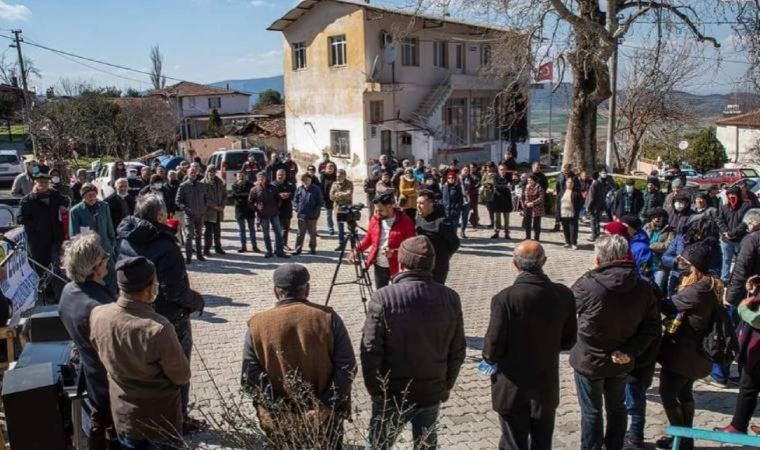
x=350 y=214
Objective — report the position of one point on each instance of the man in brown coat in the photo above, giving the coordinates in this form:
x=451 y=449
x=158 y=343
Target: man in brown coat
x=144 y=360
x=297 y=347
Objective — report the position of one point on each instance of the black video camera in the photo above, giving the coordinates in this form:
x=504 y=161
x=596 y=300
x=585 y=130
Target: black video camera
x=350 y=214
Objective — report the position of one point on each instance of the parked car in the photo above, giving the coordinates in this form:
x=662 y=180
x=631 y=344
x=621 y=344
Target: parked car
x=724 y=177
x=103 y=177
x=10 y=165
x=690 y=173
x=752 y=183
x=230 y=161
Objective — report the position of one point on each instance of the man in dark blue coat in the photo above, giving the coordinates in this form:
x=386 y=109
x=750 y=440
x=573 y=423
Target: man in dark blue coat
x=86 y=263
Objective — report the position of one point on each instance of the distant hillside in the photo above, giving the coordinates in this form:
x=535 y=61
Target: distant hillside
x=254 y=85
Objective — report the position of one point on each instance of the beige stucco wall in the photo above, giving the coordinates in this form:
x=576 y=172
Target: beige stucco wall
x=745 y=138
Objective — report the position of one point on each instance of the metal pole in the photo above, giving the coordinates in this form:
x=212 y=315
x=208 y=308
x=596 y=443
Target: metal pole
x=27 y=102
x=551 y=101
x=612 y=24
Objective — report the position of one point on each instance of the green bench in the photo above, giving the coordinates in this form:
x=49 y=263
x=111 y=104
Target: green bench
x=679 y=433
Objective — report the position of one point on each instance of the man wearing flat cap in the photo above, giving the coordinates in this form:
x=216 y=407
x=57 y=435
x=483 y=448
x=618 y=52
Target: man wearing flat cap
x=144 y=360
x=628 y=201
x=414 y=337
x=297 y=334
x=216 y=194
x=40 y=214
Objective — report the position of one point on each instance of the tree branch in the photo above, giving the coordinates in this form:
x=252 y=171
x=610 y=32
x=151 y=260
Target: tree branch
x=675 y=10
x=579 y=22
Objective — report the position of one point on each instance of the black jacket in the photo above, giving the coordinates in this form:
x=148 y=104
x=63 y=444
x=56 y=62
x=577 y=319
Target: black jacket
x=41 y=220
x=596 y=198
x=637 y=202
x=747 y=264
x=325 y=182
x=542 y=180
x=240 y=196
x=443 y=233
x=286 y=205
x=617 y=311
x=682 y=352
x=730 y=220
x=414 y=334
x=502 y=195
x=531 y=322
x=119 y=208
x=158 y=243
x=77 y=302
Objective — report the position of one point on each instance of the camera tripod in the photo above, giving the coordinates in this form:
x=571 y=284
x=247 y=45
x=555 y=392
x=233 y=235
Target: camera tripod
x=362 y=278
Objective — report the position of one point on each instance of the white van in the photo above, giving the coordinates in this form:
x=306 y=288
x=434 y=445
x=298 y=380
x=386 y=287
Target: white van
x=10 y=165
x=228 y=162
x=103 y=177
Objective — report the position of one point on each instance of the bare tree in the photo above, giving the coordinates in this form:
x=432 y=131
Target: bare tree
x=10 y=72
x=747 y=31
x=578 y=32
x=157 y=68
x=73 y=87
x=648 y=103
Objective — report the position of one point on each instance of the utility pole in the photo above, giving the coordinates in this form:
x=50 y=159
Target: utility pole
x=612 y=25
x=27 y=108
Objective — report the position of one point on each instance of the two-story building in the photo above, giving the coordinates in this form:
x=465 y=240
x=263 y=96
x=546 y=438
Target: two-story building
x=363 y=80
x=194 y=103
x=740 y=135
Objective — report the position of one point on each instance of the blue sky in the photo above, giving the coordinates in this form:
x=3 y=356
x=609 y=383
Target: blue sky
x=202 y=40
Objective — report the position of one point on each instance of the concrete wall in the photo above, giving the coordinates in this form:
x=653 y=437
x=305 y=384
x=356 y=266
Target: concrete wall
x=321 y=98
x=744 y=138
x=231 y=104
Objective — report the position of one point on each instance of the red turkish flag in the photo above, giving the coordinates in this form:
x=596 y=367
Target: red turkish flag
x=545 y=72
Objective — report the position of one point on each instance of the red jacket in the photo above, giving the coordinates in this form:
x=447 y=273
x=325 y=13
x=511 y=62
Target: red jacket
x=402 y=229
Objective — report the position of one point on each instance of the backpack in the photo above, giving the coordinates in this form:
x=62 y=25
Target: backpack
x=721 y=344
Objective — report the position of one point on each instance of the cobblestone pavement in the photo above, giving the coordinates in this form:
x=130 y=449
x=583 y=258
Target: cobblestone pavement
x=235 y=286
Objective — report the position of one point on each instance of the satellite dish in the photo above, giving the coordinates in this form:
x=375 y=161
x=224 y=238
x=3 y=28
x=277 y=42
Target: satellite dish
x=683 y=145
x=390 y=54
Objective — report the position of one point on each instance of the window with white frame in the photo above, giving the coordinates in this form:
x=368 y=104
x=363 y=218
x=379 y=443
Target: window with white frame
x=299 y=56
x=441 y=54
x=410 y=52
x=460 y=56
x=455 y=120
x=481 y=121
x=485 y=55
x=338 y=56
x=340 y=144
x=214 y=102
x=376 y=111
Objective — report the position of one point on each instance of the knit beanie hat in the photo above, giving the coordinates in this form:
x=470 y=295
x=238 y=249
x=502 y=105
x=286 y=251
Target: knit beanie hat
x=632 y=221
x=698 y=255
x=417 y=253
x=135 y=274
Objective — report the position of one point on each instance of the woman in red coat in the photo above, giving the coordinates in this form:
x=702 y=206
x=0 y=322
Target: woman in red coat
x=388 y=228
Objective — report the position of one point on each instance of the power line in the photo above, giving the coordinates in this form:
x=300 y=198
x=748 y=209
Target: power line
x=703 y=58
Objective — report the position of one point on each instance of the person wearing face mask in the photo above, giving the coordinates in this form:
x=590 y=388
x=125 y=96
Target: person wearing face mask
x=81 y=179
x=681 y=213
x=146 y=234
x=676 y=187
x=748 y=195
x=609 y=189
x=628 y=201
x=86 y=264
x=732 y=228
x=57 y=184
x=701 y=207
x=120 y=203
x=119 y=170
x=595 y=205
x=24 y=182
x=653 y=198
x=40 y=213
x=143 y=358
x=93 y=215
x=660 y=236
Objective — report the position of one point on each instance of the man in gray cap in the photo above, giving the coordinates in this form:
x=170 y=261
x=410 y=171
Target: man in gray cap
x=143 y=357
x=413 y=337
x=217 y=197
x=299 y=335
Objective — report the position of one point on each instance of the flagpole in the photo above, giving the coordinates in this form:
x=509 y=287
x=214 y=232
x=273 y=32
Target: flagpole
x=551 y=101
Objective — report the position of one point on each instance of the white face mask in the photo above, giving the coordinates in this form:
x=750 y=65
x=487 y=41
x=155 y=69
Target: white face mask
x=56 y=180
x=132 y=175
x=604 y=175
x=679 y=206
x=629 y=189
x=123 y=194
x=157 y=186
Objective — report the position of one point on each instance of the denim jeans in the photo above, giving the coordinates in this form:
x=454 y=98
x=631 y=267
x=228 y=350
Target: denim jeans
x=275 y=223
x=341 y=233
x=330 y=223
x=388 y=420
x=251 y=222
x=133 y=444
x=721 y=373
x=636 y=404
x=595 y=222
x=593 y=393
x=465 y=216
x=729 y=250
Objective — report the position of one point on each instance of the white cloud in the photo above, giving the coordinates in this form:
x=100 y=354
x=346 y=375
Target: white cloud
x=262 y=3
x=14 y=12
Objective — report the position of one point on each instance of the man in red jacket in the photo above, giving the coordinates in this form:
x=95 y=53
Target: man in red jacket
x=388 y=228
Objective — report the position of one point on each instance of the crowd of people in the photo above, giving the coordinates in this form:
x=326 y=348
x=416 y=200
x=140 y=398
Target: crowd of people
x=674 y=282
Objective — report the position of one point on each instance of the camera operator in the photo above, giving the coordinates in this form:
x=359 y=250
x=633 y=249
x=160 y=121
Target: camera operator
x=342 y=195
x=388 y=228
x=442 y=231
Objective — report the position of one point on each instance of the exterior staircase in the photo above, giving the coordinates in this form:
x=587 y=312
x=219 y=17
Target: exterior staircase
x=434 y=99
